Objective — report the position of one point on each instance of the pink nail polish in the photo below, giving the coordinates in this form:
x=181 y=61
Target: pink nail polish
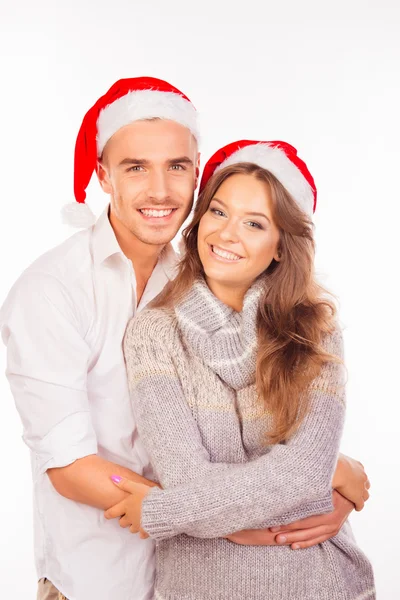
x=116 y=478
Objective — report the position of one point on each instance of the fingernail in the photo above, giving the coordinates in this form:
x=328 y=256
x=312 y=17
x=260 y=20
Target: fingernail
x=295 y=547
x=274 y=529
x=116 y=478
x=281 y=539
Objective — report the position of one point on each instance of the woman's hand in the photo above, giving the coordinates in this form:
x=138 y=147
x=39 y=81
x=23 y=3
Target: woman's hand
x=351 y=481
x=130 y=509
x=301 y=534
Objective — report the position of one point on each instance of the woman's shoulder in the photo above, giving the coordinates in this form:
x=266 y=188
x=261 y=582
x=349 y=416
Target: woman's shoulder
x=332 y=341
x=152 y=325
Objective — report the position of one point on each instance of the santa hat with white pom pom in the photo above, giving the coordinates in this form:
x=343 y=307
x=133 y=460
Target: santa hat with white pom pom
x=128 y=100
x=279 y=158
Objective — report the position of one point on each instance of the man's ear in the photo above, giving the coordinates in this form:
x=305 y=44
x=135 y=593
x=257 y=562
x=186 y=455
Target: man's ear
x=103 y=177
x=197 y=170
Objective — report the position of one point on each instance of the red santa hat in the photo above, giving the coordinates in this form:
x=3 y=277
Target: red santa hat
x=128 y=100
x=279 y=158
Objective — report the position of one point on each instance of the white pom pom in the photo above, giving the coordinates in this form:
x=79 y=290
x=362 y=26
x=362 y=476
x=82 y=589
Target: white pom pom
x=77 y=214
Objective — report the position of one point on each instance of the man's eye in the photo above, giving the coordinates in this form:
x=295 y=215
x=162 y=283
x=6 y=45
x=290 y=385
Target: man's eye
x=135 y=168
x=177 y=167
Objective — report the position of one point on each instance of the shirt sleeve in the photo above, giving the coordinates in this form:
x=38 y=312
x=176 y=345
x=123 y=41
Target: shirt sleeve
x=47 y=365
x=205 y=499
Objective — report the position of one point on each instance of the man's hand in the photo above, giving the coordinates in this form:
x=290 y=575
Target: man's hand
x=301 y=534
x=351 y=481
x=129 y=510
x=254 y=537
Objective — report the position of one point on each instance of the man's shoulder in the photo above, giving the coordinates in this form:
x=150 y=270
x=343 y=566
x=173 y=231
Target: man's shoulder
x=65 y=261
x=61 y=266
x=53 y=276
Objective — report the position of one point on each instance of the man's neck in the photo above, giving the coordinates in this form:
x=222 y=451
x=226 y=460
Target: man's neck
x=143 y=256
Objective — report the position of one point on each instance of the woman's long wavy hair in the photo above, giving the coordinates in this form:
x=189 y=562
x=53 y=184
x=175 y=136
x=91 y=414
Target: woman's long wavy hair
x=294 y=313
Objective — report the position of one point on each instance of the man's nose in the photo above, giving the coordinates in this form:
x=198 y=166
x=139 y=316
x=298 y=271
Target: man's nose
x=158 y=188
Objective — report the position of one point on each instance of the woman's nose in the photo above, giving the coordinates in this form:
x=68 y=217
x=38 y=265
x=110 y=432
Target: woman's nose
x=229 y=233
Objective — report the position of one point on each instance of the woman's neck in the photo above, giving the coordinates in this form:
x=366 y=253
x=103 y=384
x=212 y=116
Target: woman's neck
x=230 y=295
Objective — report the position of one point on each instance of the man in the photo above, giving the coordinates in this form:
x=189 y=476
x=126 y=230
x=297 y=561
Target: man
x=63 y=323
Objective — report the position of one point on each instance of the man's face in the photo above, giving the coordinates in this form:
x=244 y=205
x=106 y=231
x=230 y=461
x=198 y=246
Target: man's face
x=150 y=169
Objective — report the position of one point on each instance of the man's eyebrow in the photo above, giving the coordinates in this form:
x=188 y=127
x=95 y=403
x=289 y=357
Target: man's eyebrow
x=144 y=163
x=134 y=161
x=251 y=213
x=180 y=159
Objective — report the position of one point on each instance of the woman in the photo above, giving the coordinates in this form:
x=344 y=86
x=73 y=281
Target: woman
x=237 y=382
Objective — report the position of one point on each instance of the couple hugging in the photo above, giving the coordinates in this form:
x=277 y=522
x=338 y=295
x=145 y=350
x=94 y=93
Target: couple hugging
x=184 y=413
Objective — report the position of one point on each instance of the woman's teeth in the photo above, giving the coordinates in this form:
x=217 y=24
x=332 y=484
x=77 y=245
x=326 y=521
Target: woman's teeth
x=224 y=254
x=156 y=213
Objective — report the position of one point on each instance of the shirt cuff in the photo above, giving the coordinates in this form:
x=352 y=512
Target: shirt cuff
x=70 y=439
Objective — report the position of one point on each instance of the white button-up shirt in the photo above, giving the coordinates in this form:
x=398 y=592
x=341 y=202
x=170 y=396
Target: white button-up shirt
x=63 y=323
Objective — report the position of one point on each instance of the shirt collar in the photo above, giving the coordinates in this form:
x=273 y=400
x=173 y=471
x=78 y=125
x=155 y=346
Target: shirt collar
x=105 y=244
x=169 y=261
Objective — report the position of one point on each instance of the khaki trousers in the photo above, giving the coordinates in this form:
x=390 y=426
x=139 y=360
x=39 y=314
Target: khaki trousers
x=47 y=591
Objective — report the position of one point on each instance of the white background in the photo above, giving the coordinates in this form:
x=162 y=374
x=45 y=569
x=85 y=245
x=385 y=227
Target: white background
x=323 y=76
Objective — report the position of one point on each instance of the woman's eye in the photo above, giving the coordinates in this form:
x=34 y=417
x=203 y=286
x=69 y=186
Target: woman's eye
x=217 y=212
x=254 y=225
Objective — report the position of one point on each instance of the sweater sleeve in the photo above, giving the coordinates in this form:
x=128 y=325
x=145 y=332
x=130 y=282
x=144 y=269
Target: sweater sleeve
x=205 y=499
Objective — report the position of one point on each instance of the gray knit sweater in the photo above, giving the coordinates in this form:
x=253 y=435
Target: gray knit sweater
x=192 y=379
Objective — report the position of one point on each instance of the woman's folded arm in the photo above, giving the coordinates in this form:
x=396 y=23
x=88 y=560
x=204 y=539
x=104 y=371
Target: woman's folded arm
x=206 y=499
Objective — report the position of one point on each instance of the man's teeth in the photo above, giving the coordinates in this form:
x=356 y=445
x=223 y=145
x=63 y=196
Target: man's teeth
x=156 y=213
x=224 y=254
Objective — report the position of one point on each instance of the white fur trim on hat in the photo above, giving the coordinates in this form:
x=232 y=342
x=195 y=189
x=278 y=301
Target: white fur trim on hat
x=144 y=104
x=77 y=214
x=274 y=159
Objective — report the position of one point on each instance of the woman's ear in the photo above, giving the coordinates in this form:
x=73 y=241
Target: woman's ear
x=278 y=254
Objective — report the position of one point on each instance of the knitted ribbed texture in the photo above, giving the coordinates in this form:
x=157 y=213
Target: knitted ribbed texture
x=191 y=374
x=224 y=339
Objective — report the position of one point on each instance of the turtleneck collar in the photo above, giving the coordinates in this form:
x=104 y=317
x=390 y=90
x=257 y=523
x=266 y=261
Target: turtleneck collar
x=224 y=339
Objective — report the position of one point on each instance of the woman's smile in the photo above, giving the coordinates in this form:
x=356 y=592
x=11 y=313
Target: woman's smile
x=238 y=231
x=222 y=255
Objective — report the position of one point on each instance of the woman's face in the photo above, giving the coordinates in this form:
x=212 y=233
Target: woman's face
x=237 y=237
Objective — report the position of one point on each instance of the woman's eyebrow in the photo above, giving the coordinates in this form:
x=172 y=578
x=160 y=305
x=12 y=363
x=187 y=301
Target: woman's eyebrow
x=257 y=214
x=250 y=213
